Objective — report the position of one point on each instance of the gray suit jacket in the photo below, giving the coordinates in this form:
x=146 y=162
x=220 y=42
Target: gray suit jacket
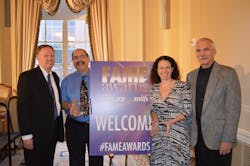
x=221 y=107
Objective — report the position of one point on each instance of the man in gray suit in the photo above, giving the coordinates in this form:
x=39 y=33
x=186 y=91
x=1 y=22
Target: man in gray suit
x=216 y=104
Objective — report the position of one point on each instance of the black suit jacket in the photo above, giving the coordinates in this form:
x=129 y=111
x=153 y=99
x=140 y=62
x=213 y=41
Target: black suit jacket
x=35 y=108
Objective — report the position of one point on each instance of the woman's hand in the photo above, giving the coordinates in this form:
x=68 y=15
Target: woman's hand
x=154 y=129
x=169 y=125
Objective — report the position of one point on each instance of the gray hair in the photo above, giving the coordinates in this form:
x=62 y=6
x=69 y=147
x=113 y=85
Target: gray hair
x=206 y=39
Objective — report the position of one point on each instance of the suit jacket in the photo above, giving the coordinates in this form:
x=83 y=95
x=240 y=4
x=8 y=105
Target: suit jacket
x=35 y=107
x=221 y=106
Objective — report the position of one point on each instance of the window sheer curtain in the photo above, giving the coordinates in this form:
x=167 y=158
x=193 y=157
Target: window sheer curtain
x=99 y=26
x=25 y=21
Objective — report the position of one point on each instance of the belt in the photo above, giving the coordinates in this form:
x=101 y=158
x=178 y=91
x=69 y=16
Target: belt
x=77 y=122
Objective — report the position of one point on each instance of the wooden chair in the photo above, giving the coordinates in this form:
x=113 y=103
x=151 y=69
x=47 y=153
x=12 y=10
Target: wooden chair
x=5 y=93
x=13 y=120
x=3 y=135
x=8 y=143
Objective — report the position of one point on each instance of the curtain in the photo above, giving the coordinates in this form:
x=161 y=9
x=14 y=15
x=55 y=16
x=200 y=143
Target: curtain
x=25 y=19
x=99 y=30
x=50 y=6
x=78 y=5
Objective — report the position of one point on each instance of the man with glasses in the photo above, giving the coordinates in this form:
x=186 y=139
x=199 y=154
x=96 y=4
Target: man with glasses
x=75 y=99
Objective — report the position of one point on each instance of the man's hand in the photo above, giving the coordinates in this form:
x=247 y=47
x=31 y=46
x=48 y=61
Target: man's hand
x=28 y=144
x=225 y=148
x=74 y=109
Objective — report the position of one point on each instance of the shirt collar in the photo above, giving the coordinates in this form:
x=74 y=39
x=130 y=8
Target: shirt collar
x=207 y=69
x=86 y=75
x=45 y=74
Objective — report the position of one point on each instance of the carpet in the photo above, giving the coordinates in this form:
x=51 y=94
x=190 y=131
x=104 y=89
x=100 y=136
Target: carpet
x=62 y=158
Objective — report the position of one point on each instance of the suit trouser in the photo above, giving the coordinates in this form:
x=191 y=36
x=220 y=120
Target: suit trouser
x=77 y=137
x=207 y=157
x=41 y=155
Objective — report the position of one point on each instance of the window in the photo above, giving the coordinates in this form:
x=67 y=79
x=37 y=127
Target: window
x=64 y=36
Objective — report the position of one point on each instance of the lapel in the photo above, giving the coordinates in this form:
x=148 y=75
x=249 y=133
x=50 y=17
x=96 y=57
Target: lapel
x=212 y=81
x=42 y=81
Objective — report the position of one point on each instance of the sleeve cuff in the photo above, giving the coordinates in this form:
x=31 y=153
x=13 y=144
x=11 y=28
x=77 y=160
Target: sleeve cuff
x=26 y=137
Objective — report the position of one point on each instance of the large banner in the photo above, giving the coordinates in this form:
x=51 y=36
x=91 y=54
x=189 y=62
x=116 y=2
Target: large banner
x=120 y=108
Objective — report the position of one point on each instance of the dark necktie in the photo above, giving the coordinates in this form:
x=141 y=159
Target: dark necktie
x=53 y=96
x=84 y=99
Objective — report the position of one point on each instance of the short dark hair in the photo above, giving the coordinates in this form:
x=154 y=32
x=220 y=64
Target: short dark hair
x=155 y=78
x=79 y=49
x=38 y=49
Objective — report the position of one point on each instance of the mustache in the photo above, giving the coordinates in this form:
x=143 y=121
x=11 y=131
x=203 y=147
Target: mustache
x=80 y=63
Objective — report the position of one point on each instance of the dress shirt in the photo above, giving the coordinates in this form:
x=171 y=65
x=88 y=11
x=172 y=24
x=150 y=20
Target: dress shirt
x=56 y=93
x=71 y=90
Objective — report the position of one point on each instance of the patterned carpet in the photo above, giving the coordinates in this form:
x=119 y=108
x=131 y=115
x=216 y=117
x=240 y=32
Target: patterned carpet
x=62 y=158
x=62 y=155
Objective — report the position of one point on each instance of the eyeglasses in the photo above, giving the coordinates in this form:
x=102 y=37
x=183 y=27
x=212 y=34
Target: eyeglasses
x=79 y=57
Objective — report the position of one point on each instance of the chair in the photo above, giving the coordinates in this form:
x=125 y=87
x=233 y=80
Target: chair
x=3 y=136
x=13 y=129
x=13 y=120
x=5 y=93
